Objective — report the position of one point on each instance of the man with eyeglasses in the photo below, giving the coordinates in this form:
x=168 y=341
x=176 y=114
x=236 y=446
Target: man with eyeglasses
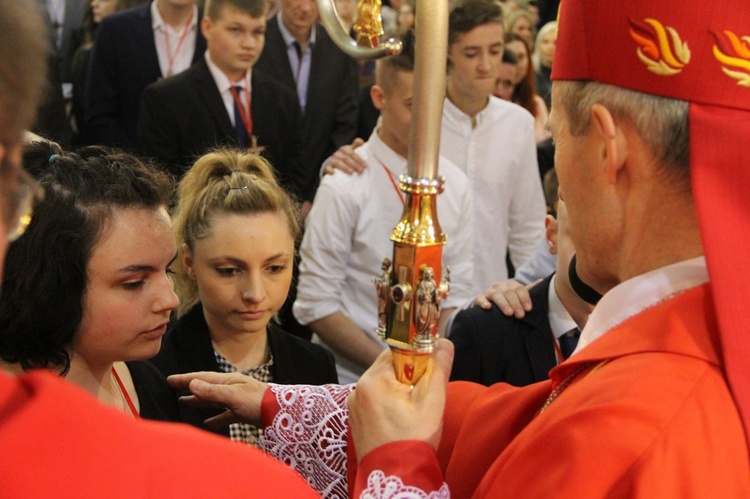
x=56 y=439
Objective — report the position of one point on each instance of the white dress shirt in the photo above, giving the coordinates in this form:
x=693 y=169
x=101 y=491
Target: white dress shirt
x=560 y=320
x=498 y=156
x=182 y=58
x=225 y=87
x=347 y=236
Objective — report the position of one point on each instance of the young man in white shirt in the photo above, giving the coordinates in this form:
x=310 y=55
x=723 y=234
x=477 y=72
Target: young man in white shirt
x=348 y=229
x=492 y=141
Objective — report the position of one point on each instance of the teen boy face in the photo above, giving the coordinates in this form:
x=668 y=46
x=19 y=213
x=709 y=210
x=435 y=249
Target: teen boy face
x=394 y=101
x=235 y=40
x=475 y=57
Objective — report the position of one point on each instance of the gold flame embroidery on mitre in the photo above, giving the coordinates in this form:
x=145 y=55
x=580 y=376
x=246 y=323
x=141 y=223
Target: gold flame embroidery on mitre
x=660 y=48
x=733 y=52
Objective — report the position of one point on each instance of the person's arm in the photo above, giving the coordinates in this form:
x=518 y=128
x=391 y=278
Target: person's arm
x=347 y=339
x=388 y=415
x=239 y=395
x=325 y=252
x=527 y=207
x=314 y=447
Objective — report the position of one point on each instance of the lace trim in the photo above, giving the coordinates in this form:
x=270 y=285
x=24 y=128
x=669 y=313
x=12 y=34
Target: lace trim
x=309 y=434
x=380 y=486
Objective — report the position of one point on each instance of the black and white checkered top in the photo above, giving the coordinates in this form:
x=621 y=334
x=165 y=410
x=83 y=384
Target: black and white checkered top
x=244 y=432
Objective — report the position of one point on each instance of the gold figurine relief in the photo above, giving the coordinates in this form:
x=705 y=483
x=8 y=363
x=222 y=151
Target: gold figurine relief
x=369 y=24
x=409 y=296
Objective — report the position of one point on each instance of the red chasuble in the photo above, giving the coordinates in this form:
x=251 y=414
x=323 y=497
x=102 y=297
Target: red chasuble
x=57 y=441
x=650 y=415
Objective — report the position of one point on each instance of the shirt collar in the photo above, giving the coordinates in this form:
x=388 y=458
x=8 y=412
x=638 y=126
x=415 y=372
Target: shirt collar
x=455 y=115
x=631 y=297
x=560 y=320
x=221 y=80
x=157 y=22
x=287 y=36
x=395 y=163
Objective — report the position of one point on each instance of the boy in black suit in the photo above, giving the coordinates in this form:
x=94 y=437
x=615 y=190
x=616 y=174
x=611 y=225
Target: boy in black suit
x=223 y=101
x=493 y=347
x=132 y=49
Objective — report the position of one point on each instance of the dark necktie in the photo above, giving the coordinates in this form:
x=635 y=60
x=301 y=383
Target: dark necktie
x=300 y=54
x=568 y=342
x=239 y=125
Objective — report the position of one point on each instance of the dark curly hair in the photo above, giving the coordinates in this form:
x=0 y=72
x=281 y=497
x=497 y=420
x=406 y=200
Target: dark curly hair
x=42 y=296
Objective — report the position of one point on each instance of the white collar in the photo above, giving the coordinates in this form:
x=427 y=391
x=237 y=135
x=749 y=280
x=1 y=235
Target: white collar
x=157 y=22
x=221 y=80
x=460 y=118
x=631 y=297
x=287 y=36
x=560 y=320
x=395 y=163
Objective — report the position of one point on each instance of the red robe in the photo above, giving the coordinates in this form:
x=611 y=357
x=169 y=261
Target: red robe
x=57 y=441
x=651 y=416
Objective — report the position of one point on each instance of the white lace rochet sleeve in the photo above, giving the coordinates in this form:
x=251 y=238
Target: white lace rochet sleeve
x=309 y=434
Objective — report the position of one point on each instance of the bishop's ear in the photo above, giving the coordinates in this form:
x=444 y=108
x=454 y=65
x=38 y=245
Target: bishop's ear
x=610 y=142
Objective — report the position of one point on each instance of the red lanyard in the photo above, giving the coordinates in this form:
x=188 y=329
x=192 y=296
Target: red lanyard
x=172 y=56
x=393 y=182
x=245 y=111
x=125 y=395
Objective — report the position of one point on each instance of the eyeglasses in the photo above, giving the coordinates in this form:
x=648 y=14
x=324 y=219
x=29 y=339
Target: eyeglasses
x=21 y=205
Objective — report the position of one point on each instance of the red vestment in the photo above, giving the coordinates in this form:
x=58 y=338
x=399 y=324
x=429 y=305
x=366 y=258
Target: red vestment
x=57 y=441
x=651 y=416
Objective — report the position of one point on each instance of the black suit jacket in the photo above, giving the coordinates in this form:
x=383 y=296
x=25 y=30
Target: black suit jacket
x=491 y=347
x=156 y=399
x=184 y=116
x=72 y=19
x=187 y=347
x=330 y=119
x=123 y=62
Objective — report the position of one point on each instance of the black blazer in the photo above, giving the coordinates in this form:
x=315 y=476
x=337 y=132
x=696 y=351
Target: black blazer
x=184 y=116
x=492 y=347
x=123 y=62
x=330 y=118
x=187 y=347
x=156 y=399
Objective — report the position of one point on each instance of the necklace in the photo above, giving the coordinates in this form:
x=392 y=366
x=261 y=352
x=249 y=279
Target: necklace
x=562 y=386
x=126 y=404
